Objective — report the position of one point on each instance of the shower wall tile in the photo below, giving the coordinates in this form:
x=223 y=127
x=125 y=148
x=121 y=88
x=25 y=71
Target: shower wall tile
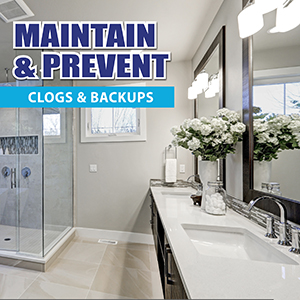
x=19 y=145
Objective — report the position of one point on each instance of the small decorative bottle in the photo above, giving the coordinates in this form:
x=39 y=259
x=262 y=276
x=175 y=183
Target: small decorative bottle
x=215 y=198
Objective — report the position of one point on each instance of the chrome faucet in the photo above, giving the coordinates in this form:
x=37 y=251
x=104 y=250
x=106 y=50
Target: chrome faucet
x=283 y=217
x=195 y=184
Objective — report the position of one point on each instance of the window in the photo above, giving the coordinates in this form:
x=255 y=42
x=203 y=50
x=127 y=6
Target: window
x=113 y=124
x=277 y=98
x=276 y=92
x=114 y=120
x=54 y=125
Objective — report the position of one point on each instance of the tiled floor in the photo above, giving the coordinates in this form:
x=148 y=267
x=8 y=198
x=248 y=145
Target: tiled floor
x=89 y=270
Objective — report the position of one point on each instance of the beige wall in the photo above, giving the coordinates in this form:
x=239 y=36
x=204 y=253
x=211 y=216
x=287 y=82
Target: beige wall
x=115 y=198
x=227 y=15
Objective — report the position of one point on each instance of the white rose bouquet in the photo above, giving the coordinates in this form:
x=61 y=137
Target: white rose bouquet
x=277 y=133
x=210 y=139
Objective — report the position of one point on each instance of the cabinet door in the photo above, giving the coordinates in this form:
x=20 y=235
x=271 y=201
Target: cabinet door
x=168 y=271
x=153 y=222
x=178 y=291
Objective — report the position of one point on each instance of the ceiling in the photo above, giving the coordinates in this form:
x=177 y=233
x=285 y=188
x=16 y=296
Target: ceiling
x=182 y=24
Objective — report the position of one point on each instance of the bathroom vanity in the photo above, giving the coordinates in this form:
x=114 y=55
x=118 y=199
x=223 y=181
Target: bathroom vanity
x=204 y=256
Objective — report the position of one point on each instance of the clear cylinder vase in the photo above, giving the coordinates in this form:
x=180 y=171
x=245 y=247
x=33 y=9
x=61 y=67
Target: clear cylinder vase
x=262 y=173
x=208 y=171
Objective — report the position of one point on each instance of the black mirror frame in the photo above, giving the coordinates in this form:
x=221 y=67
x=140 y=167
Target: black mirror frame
x=293 y=206
x=218 y=41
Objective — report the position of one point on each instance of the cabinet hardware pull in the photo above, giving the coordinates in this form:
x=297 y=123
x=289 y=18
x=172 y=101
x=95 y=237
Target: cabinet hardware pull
x=168 y=275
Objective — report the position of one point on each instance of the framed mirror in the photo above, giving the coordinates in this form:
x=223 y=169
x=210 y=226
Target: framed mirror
x=206 y=104
x=271 y=109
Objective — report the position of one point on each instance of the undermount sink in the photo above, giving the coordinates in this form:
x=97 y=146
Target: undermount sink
x=235 y=243
x=178 y=193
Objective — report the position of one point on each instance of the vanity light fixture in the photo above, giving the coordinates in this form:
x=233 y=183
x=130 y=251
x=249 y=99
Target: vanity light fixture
x=287 y=16
x=250 y=20
x=199 y=85
x=202 y=82
x=192 y=94
x=210 y=93
x=213 y=86
x=266 y=6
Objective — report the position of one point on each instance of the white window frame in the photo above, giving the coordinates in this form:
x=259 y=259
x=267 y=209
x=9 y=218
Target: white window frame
x=58 y=139
x=87 y=137
x=276 y=76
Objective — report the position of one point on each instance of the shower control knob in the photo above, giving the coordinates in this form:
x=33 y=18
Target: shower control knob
x=5 y=171
x=26 y=172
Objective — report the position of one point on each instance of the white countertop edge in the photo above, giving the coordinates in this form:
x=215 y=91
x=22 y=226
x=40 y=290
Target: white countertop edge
x=208 y=277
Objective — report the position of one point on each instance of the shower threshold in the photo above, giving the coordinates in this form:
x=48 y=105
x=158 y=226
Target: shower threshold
x=36 y=261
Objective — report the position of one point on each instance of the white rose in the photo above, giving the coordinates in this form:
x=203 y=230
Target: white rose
x=238 y=127
x=227 y=138
x=194 y=144
x=205 y=129
x=175 y=129
x=195 y=124
x=186 y=123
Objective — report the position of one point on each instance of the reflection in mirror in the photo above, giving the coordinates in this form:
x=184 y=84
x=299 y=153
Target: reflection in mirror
x=208 y=102
x=276 y=110
x=213 y=98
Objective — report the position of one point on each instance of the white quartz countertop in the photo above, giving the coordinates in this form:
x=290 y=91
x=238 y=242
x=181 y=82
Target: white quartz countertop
x=211 y=277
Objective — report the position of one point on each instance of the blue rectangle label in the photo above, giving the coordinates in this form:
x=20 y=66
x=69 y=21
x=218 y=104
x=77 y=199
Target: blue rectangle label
x=137 y=97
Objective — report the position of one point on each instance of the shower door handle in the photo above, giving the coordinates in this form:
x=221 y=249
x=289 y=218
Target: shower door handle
x=13 y=178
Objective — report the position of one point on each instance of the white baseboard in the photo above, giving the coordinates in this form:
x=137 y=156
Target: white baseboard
x=123 y=236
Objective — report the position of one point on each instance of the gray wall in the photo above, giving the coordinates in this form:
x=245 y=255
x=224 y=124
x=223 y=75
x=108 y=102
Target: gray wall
x=116 y=197
x=276 y=58
x=227 y=15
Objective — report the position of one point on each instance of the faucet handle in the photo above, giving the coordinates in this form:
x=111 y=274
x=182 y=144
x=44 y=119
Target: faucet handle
x=295 y=240
x=270 y=227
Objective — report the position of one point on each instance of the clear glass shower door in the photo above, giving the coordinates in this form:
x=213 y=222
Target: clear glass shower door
x=9 y=170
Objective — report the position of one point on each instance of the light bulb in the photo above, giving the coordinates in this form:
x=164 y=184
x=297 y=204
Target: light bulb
x=192 y=94
x=210 y=93
x=265 y=6
x=197 y=89
x=288 y=17
x=202 y=81
x=250 y=21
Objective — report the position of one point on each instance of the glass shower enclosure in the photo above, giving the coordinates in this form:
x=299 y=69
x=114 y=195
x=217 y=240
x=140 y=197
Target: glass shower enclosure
x=36 y=179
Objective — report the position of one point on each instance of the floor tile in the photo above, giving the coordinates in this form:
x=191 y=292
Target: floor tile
x=84 y=252
x=12 y=287
x=9 y=270
x=47 y=290
x=125 y=282
x=133 y=246
x=129 y=258
x=99 y=295
x=153 y=262
x=151 y=248
x=70 y=272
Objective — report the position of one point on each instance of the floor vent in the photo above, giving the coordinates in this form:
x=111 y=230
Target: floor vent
x=108 y=242
x=13 y=10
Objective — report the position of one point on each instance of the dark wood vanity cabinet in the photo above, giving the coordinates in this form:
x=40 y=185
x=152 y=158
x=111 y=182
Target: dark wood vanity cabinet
x=170 y=277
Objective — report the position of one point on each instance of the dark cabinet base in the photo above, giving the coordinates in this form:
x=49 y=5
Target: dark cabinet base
x=170 y=277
